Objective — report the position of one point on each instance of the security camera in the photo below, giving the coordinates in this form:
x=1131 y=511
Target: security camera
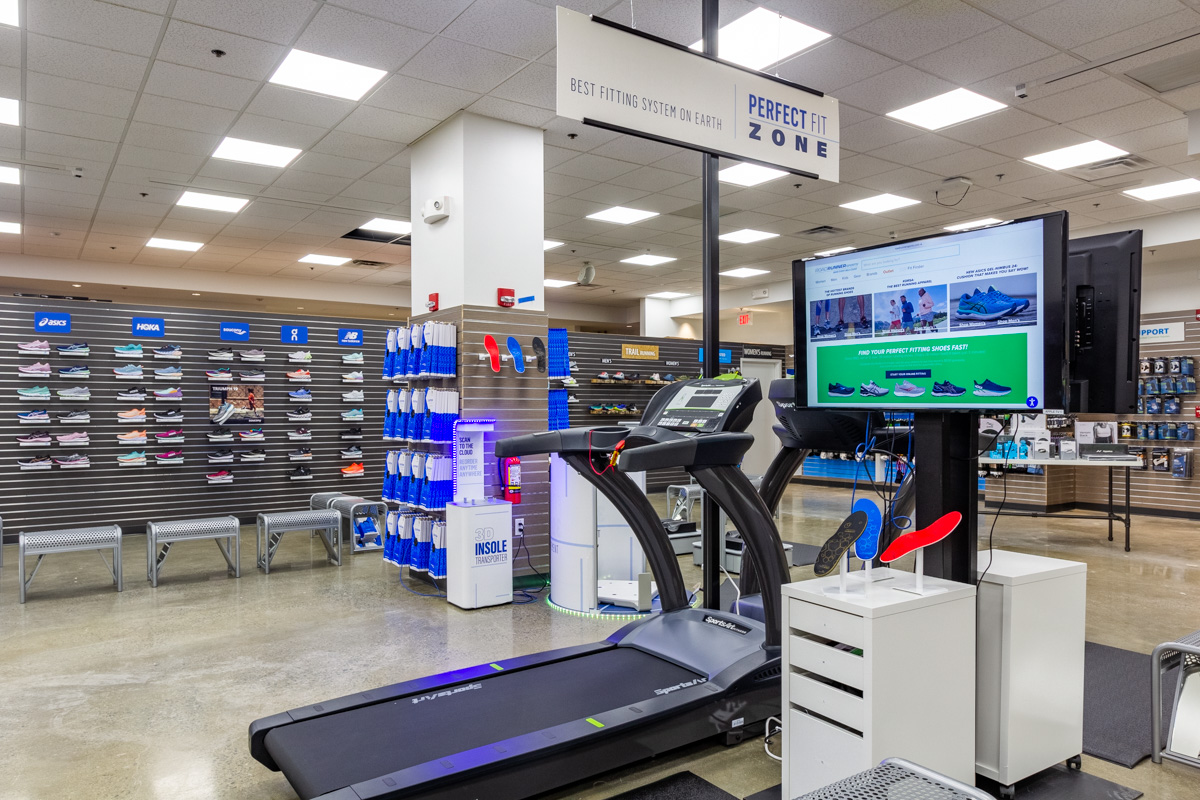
x=1021 y=90
x=77 y=172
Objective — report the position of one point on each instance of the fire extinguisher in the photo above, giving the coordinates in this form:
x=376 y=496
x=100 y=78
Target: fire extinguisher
x=510 y=478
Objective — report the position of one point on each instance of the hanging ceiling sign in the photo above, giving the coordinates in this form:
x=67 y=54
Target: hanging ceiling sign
x=617 y=78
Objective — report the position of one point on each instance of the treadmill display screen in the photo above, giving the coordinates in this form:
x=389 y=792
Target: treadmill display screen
x=699 y=408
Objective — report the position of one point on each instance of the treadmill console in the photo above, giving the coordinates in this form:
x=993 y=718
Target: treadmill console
x=706 y=405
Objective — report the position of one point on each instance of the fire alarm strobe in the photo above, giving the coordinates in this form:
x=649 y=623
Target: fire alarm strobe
x=507 y=298
x=432 y=302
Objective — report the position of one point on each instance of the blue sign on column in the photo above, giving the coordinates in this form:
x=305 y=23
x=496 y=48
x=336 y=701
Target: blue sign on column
x=723 y=356
x=293 y=334
x=350 y=337
x=235 y=332
x=149 y=327
x=51 y=322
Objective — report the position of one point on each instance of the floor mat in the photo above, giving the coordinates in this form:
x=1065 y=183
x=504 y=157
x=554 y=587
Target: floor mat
x=774 y=793
x=1060 y=783
x=680 y=786
x=1116 y=704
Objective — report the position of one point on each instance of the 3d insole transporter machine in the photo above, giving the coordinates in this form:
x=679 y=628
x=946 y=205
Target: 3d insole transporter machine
x=517 y=727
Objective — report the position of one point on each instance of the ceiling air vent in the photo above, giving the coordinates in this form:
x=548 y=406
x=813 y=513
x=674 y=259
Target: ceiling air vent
x=358 y=262
x=1170 y=73
x=1109 y=169
x=823 y=232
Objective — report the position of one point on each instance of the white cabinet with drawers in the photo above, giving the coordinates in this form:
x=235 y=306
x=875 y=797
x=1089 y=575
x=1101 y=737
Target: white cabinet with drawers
x=876 y=673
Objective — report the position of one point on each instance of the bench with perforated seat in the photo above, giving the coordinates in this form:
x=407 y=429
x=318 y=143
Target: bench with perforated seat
x=69 y=540
x=271 y=527
x=225 y=531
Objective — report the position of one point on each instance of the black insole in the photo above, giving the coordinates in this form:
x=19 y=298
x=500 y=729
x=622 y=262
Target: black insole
x=327 y=753
x=842 y=540
x=539 y=350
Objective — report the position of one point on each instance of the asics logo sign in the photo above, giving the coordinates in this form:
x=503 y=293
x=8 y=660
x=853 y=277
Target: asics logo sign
x=150 y=327
x=235 y=332
x=51 y=321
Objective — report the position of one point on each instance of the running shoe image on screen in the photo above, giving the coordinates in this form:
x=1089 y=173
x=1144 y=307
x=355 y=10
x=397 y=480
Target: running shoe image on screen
x=840 y=390
x=947 y=389
x=991 y=389
x=909 y=389
x=988 y=305
x=872 y=390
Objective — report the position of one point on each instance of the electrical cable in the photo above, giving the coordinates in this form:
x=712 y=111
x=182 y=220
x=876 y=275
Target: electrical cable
x=1016 y=420
x=529 y=596
x=737 y=607
x=414 y=591
x=769 y=733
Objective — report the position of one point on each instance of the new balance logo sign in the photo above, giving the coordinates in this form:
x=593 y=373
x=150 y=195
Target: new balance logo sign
x=350 y=337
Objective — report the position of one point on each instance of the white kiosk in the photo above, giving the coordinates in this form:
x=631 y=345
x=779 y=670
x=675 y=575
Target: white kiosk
x=478 y=528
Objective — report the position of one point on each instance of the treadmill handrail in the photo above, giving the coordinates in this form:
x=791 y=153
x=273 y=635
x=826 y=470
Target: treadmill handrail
x=710 y=449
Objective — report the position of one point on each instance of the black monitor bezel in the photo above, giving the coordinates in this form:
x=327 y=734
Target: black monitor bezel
x=1055 y=230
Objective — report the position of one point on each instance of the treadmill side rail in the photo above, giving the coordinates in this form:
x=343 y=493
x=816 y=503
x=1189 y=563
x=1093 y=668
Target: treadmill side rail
x=430 y=683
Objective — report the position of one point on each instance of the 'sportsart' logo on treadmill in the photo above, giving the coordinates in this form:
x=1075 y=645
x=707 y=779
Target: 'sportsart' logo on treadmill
x=727 y=625
x=685 y=685
x=466 y=687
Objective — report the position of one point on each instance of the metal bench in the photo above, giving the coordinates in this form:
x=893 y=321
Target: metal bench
x=272 y=526
x=68 y=540
x=897 y=779
x=323 y=499
x=351 y=508
x=1183 y=656
x=165 y=534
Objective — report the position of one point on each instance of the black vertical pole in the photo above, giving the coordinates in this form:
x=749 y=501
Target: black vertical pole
x=944 y=444
x=712 y=544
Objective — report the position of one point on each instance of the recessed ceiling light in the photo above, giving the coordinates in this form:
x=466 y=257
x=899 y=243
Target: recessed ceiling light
x=621 y=215
x=195 y=294
x=10 y=175
x=744 y=272
x=555 y=283
x=947 y=109
x=746 y=236
x=10 y=111
x=763 y=37
x=10 y=227
x=880 y=203
x=748 y=174
x=248 y=152
x=398 y=226
x=77 y=285
x=329 y=261
x=299 y=308
x=975 y=223
x=647 y=261
x=212 y=202
x=324 y=75
x=833 y=252
x=174 y=244
x=549 y=244
x=667 y=295
x=1161 y=191
x=9 y=14
x=1077 y=155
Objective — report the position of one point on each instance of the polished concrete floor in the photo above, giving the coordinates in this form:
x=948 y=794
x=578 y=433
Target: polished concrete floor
x=147 y=693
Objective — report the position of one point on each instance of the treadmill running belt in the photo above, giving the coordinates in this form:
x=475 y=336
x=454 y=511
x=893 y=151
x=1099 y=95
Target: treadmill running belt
x=327 y=753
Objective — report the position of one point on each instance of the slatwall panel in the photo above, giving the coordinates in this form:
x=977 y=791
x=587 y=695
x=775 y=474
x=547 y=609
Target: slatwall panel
x=601 y=352
x=129 y=496
x=518 y=404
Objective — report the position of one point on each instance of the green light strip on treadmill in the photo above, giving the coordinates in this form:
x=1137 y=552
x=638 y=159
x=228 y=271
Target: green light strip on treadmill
x=496 y=667
x=595 y=722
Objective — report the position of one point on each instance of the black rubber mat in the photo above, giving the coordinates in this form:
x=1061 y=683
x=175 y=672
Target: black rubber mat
x=804 y=555
x=1116 y=704
x=1060 y=783
x=680 y=786
x=774 y=793
x=327 y=753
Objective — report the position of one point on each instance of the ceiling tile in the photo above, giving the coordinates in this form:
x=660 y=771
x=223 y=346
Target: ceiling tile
x=893 y=89
x=875 y=133
x=73 y=123
x=516 y=27
x=52 y=90
x=10 y=47
x=1074 y=22
x=69 y=146
x=1151 y=138
x=276 y=21
x=378 y=192
x=921 y=28
x=651 y=179
x=430 y=16
x=349 y=145
x=176 y=140
x=199 y=86
x=990 y=53
x=925 y=146
x=461 y=65
x=293 y=105
x=533 y=86
x=509 y=111
x=1002 y=86
x=338 y=33
x=84 y=63
x=383 y=124
x=192 y=45
x=96 y=24
x=593 y=167
x=1127 y=118
x=1101 y=95
x=180 y=114
x=1004 y=124
x=274 y=131
x=834 y=16
x=325 y=164
x=405 y=94
x=833 y=64
x=1141 y=35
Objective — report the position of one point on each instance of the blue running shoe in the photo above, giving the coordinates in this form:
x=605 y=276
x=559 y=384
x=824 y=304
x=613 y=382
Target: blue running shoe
x=76 y=349
x=128 y=371
x=838 y=390
x=300 y=394
x=984 y=306
x=1001 y=297
x=947 y=389
x=168 y=372
x=991 y=389
x=128 y=349
x=76 y=371
x=36 y=415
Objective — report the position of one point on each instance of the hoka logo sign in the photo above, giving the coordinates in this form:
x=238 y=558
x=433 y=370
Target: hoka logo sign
x=152 y=327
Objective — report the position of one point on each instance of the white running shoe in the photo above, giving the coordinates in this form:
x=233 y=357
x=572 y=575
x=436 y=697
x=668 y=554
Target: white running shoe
x=908 y=389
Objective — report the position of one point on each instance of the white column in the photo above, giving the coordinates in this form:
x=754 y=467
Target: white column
x=491 y=171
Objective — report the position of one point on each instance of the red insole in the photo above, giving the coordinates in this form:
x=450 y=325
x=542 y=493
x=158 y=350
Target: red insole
x=489 y=343
x=915 y=540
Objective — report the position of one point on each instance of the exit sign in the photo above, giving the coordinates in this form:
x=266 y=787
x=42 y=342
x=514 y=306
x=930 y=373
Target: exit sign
x=745 y=319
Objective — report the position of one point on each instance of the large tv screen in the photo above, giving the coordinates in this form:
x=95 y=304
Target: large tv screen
x=969 y=320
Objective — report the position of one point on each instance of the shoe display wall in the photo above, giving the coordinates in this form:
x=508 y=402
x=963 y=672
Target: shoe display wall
x=118 y=403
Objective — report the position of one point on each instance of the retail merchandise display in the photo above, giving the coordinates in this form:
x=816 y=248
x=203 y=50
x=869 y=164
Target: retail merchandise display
x=422 y=350
x=963 y=320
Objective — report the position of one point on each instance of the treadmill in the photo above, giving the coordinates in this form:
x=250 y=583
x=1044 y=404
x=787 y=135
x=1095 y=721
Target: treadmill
x=515 y=728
